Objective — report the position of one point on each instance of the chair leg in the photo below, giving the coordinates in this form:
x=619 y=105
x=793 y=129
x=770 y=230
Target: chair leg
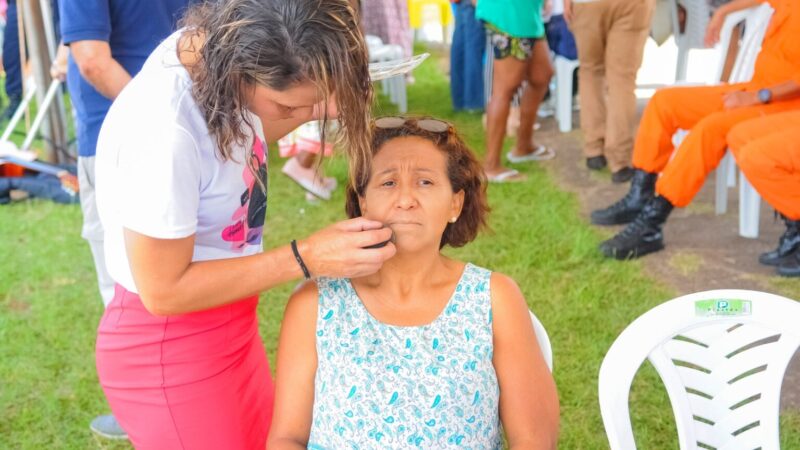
x=749 y=209
x=721 y=185
x=683 y=58
x=564 y=69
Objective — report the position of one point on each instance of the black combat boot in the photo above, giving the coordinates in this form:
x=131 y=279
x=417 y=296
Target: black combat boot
x=643 y=235
x=788 y=245
x=643 y=186
x=790 y=267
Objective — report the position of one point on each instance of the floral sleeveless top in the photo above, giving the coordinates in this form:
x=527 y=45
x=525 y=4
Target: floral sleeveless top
x=385 y=386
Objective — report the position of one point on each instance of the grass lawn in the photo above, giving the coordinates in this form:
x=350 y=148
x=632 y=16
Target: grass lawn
x=50 y=307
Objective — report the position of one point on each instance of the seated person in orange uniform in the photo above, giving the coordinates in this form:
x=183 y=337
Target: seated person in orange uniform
x=709 y=112
x=767 y=150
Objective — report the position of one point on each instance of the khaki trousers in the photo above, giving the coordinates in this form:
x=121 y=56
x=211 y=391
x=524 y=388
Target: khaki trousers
x=610 y=36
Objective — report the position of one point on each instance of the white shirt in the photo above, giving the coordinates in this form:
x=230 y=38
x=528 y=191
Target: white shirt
x=159 y=172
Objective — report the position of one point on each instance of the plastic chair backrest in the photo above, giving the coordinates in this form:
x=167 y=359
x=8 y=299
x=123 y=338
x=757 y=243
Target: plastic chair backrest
x=544 y=340
x=721 y=355
x=756 y=22
x=698 y=15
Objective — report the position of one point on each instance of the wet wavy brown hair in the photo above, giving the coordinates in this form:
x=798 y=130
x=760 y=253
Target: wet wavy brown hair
x=278 y=43
x=463 y=170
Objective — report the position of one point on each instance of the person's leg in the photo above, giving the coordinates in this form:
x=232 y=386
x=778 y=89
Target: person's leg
x=458 y=58
x=767 y=150
x=508 y=74
x=11 y=61
x=703 y=148
x=668 y=111
x=474 y=49
x=5 y=190
x=695 y=158
x=539 y=73
x=624 y=50
x=303 y=167
x=92 y=229
x=589 y=26
x=44 y=186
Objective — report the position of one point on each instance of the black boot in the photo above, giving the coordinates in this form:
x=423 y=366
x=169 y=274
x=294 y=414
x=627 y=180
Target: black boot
x=642 y=189
x=790 y=267
x=643 y=235
x=788 y=245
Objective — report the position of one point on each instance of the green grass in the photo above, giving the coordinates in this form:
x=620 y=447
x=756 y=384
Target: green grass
x=49 y=305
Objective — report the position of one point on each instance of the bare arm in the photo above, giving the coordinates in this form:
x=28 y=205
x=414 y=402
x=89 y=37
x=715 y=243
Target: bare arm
x=529 y=407
x=717 y=20
x=297 y=366
x=97 y=66
x=170 y=283
x=59 y=68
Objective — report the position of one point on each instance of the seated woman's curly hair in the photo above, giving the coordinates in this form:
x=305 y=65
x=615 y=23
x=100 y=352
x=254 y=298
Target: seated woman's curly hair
x=463 y=170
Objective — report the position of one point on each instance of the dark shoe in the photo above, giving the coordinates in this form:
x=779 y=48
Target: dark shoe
x=642 y=189
x=788 y=245
x=622 y=175
x=596 y=162
x=790 y=267
x=643 y=235
x=13 y=103
x=108 y=427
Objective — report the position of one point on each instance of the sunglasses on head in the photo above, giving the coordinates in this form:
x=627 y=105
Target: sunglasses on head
x=432 y=125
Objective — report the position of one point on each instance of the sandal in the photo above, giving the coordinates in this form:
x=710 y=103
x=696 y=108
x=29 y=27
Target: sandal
x=506 y=176
x=541 y=153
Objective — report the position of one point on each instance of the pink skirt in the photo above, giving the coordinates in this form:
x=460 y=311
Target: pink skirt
x=194 y=381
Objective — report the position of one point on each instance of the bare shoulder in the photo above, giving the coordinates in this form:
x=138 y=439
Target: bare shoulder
x=508 y=303
x=302 y=306
x=505 y=291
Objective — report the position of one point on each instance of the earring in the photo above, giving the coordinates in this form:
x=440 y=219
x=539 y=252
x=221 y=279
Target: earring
x=453 y=219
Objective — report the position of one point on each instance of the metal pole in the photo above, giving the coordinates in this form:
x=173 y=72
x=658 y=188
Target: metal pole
x=54 y=129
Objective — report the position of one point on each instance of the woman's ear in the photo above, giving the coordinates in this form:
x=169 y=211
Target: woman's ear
x=457 y=204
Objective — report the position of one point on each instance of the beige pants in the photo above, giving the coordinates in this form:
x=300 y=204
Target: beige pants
x=610 y=36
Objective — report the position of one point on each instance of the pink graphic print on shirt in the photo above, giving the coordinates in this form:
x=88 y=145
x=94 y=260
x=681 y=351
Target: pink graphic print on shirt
x=249 y=218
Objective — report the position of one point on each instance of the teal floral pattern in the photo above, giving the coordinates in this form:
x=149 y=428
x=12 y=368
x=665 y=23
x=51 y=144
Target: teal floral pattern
x=385 y=386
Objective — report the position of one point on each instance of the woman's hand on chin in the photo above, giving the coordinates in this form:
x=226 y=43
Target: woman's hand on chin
x=339 y=250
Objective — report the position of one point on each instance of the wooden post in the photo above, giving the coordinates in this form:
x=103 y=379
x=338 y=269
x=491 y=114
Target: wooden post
x=37 y=31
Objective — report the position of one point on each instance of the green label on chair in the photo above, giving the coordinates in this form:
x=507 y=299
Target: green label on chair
x=722 y=307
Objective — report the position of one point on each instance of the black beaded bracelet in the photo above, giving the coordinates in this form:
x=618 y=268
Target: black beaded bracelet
x=300 y=260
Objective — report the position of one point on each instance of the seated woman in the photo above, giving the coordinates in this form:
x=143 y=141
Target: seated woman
x=428 y=352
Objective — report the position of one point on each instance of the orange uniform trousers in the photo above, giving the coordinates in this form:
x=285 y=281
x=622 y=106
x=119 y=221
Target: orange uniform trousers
x=767 y=150
x=700 y=110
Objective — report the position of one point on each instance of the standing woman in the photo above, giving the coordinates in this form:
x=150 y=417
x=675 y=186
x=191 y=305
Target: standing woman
x=181 y=185
x=516 y=31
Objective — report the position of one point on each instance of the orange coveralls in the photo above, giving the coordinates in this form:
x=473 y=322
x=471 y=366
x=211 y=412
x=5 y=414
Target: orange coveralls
x=701 y=110
x=767 y=150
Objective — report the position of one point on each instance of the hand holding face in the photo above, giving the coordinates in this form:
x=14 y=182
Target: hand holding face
x=339 y=250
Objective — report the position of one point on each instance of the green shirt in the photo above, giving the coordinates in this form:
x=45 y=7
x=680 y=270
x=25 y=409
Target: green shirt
x=518 y=18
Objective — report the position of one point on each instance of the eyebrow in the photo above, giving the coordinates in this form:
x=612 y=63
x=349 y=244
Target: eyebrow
x=394 y=169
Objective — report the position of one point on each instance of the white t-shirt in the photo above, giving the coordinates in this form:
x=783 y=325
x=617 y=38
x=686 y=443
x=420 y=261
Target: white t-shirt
x=159 y=172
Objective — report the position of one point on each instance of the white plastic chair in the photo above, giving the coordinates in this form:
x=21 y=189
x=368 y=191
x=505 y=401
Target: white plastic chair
x=565 y=68
x=544 y=340
x=722 y=357
x=697 y=17
x=394 y=87
x=756 y=22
